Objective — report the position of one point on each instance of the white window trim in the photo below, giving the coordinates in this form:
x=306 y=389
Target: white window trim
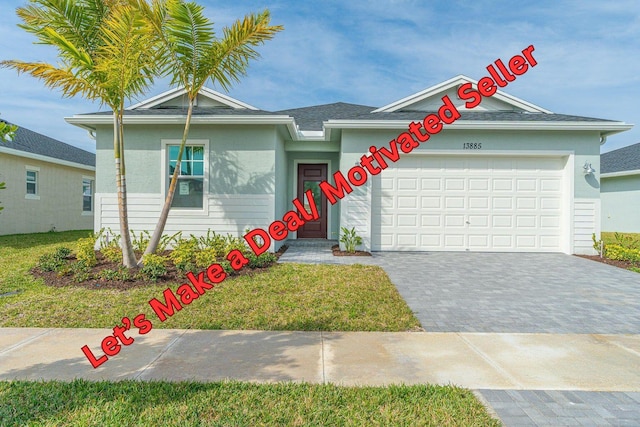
x=93 y=194
x=164 y=182
x=36 y=169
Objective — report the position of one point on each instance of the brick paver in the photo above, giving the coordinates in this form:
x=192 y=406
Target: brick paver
x=515 y=292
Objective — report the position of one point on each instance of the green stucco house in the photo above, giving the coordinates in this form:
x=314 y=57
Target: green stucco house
x=507 y=175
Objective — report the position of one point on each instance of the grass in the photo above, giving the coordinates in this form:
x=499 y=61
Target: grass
x=609 y=237
x=83 y=403
x=287 y=297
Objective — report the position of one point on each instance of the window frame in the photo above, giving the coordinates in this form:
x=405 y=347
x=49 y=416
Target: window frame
x=91 y=181
x=36 y=171
x=166 y=179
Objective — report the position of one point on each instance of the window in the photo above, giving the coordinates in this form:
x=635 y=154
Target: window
x=189 y=191
x=87 y=195
x=32 y=183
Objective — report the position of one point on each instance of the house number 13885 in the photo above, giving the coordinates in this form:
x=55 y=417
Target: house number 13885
x=471 y=145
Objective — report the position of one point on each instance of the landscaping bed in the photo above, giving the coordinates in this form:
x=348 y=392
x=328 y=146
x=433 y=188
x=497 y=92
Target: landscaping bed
x=281 y=297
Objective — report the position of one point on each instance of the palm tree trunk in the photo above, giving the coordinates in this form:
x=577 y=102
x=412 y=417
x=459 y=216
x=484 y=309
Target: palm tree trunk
x=128 y=257
x=164 y=214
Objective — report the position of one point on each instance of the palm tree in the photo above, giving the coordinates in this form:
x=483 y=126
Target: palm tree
x=193 y=55
x=107 y=53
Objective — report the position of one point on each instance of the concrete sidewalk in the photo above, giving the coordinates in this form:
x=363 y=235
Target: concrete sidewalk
x=473 y=360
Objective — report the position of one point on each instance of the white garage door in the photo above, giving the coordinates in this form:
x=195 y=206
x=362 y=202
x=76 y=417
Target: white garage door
x=456 y=203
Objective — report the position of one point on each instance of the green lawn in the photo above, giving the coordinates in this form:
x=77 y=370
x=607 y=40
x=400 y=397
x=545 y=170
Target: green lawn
x=130 y=403
x=287 y=297
x=609 y=237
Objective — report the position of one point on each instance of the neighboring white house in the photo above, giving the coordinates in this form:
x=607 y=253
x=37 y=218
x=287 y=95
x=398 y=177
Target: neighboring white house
x=49 y=185
x=506 y=176
x=620 y=190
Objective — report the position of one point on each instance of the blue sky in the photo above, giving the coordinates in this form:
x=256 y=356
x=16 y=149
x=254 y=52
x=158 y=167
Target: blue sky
x=377 y=51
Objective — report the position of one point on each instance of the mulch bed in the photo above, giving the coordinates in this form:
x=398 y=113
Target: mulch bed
x=337 y=252
x=51 y=278
x=617 y=263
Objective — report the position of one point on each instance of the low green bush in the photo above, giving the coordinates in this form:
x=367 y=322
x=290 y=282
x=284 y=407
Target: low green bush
x=85 y=251
x=618 y=252
x=206 y=257
x=183 y=255
x=154 y=266
x=55 y=261
x=350 y=239
x=112 y=252
x=262 y=260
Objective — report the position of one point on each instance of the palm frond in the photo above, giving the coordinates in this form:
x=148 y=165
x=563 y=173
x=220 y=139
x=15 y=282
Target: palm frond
x=227 y=59
x=190 y=35
x=68 y=82
x=127 y=58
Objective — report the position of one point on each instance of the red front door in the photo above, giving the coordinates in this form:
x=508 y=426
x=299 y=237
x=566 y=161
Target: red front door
x=309 y=178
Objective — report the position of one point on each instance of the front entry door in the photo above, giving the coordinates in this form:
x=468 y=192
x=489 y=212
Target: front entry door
x=309 y=178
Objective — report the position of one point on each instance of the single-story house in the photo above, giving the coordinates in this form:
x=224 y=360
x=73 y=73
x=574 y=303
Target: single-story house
x=506 y=176
x=620 y=189
x=49 y=185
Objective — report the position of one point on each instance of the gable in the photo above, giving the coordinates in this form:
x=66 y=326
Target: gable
x=430 y=99
x=177 y=98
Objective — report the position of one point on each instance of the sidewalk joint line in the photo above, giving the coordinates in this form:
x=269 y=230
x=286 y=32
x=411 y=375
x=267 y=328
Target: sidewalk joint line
x=490 y=361
x=620 y=346
x=26 y=341
x=162 y=352
x=324 y=376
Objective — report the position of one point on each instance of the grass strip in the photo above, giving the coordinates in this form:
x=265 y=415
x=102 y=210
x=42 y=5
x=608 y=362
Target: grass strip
x=131 y=403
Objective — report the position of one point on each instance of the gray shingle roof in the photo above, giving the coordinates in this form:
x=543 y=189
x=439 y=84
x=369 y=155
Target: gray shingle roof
x=498 y=116
x=622 y=159
x=32 y=142
x=311 y=118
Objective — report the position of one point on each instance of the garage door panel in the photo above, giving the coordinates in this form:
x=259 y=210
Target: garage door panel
x=454 y=202
x=502 y=184
x=470 y=203
x=478 y=184
x=431 y=202
x=454 y=184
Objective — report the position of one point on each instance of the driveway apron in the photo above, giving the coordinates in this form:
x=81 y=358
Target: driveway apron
x=517 y=293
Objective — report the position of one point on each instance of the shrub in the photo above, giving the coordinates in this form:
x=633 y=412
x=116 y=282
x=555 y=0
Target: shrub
x=598 y=245
x=165 y=241
x=262 y=260
x=85 y=251
x=184 y=254
x=140 y=242
x=153 y=267
x=350 y=239
x=55 y=261
x=618 y=252
x=226 y=266
x=216 y=243
x=235 y=243
x=49 y=262
x=626 y=241
x=112 y=252
x=80 y=271
x=206 y=257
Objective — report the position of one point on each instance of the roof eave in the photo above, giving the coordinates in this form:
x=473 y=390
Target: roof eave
x=47 y=159
x=620 y=173
x=90 y=122
x=605 y=128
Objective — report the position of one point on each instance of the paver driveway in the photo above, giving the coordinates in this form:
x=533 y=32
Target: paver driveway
x=515 y=292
